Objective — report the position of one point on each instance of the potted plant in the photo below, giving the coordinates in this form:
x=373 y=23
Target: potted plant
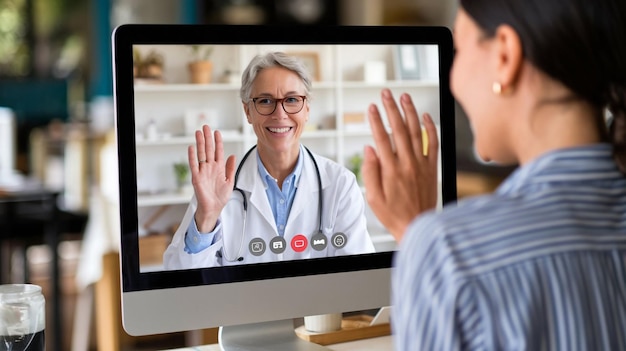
x=355 y=163
x=152 y=66
x=181 y=170
x=136 y=62
x=200 y=67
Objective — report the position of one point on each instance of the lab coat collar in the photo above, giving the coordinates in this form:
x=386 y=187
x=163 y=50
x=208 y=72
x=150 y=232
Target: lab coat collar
x=295 y=174
x=251 y=182
x=253 y=185
x=249 y=177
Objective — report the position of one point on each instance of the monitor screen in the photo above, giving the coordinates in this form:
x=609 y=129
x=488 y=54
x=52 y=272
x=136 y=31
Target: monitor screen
x=326 y=252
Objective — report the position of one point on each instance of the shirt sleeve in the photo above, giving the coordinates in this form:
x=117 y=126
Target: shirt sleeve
x=195 y=241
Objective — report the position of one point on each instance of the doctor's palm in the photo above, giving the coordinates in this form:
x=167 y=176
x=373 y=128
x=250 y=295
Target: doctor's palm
x=211 y=177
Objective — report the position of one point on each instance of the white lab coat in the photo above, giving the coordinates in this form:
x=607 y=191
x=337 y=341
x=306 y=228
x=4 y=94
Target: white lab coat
x=343 y=207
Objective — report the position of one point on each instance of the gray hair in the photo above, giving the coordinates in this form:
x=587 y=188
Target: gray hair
x=273 y=59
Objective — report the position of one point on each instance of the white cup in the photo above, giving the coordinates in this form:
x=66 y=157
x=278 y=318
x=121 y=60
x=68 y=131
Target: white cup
x=323 y=323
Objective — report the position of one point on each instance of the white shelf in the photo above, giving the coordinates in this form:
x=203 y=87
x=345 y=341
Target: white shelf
x=318 y=134
x=327 y=84
x=186 y=140
x=163 y=199
x=190 y=140
x=184 y=87
x=390 y=84
x=164 y=87
x=357 y=133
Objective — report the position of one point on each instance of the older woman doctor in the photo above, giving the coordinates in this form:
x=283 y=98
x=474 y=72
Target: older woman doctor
x=289 y=203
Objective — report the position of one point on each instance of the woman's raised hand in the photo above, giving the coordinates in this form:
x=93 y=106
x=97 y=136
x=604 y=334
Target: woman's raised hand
x=212 y=177
x=400 y=178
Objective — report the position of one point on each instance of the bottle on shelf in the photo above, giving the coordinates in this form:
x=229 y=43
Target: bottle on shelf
x=152 y=132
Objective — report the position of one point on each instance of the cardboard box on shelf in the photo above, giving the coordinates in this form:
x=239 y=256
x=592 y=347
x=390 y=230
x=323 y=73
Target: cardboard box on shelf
x=152 y=247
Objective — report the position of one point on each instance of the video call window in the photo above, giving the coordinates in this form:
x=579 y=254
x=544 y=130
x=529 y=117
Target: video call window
x=171 y=103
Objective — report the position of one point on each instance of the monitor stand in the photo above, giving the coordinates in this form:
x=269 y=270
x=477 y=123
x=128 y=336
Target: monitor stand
x=267 y=336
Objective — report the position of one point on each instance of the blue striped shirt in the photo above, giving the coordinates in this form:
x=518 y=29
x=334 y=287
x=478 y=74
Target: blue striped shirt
x=538 y=265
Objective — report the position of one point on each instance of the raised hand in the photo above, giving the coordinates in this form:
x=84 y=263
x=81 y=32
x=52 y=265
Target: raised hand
x=400 y=178
x=211 y=177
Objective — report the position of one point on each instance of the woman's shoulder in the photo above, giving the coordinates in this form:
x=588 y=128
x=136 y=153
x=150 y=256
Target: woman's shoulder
x=473 y=224
x=482 y=234
x=480 y=209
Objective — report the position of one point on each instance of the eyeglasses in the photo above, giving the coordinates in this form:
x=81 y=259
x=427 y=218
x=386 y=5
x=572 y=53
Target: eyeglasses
x=267 y=105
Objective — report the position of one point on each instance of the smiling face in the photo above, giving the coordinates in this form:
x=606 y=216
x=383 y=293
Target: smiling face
x=279 y=132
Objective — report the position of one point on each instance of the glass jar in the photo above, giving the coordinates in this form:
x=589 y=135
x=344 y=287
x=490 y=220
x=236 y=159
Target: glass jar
x=22 y=318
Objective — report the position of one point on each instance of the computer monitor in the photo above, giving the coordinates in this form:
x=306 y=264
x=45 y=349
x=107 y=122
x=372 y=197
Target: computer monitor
x=158 y=109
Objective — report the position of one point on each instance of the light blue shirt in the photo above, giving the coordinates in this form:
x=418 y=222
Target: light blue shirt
x=538 y=265
x=280 y=202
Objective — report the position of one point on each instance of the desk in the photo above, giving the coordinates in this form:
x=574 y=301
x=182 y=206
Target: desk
x=381 y=343
x=29 y=212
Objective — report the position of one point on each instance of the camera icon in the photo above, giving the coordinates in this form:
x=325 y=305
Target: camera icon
x=256 y=246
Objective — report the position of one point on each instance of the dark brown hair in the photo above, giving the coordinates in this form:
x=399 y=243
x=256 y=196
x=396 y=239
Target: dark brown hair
x=579 y=43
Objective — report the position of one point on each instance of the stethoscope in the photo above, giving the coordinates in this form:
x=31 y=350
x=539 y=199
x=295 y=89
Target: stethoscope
x=245 y=204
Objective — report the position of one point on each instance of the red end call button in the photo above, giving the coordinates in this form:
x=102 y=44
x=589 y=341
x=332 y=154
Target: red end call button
x=299 y=243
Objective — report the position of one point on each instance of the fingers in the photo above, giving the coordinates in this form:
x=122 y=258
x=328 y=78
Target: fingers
x=209 y=148
x=399 y=129
x=381 y=138
x=398 y=176
x=200 y=146
x=414 y=137
x=193 y=163
x=219 y=147
x=230 y=170
x=406 y=132
x=372 y=176
x=210 y=152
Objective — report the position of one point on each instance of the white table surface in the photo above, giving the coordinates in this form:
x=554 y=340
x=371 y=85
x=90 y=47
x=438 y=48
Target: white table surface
x=381 y=343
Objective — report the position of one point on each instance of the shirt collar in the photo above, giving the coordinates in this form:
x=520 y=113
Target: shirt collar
x=265 y=175
x=590 y=162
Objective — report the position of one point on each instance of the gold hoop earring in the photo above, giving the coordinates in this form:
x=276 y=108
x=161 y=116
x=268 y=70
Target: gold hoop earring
x=497 y=88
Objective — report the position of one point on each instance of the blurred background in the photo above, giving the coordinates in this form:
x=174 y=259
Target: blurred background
x=56 y=112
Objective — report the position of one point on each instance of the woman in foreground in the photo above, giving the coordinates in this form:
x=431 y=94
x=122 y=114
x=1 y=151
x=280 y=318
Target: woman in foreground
x=539 y=264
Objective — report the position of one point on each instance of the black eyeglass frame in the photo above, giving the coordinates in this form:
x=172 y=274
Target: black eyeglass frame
x=282 y=103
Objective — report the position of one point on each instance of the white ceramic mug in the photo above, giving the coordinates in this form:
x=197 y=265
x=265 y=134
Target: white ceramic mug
x=323 y=323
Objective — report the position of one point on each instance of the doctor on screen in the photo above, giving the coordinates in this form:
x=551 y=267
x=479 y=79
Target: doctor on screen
x=281 y=202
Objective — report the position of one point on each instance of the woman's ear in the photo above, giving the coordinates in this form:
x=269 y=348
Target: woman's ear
x=508 y=48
